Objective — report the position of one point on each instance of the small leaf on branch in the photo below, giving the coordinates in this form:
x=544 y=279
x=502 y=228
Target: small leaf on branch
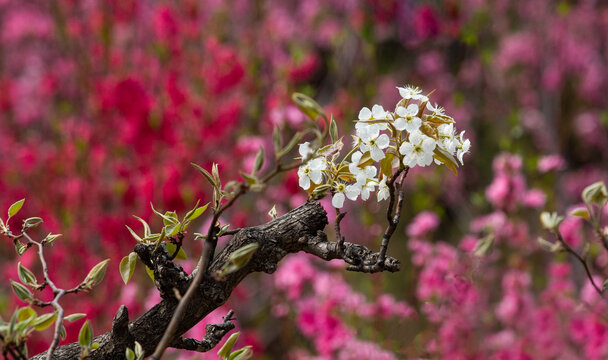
x=226 y=349
x=74 y=317
x=135 y=236
x=85 y=336
x=333 y=130
x=96 y=274
x=44 y=321
x=249 y=178
x=147 y=230
x=206 y=174
x=21 y=291
x=31 y=222
x=580 y=212
x=50 y=238
x=276 y=139
x=14 y=209
x=595 y=193
x=25 y=275
x=259 y=160
x=244 y=353
x=292 y=143
x=127 y=267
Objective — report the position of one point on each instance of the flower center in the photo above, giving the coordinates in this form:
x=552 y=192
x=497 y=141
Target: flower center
x=341 y=188
x=306 y=170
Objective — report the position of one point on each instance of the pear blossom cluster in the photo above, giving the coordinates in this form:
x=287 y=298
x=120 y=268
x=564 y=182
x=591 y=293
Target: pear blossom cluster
x=417 y=133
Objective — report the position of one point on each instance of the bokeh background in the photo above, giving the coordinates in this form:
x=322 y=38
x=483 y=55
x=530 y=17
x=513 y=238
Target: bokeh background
x=104 y=104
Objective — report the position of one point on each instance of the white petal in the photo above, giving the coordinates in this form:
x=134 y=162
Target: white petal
x=406 y=148
x=382 y=141
x=399 y=124
x=304 y=182
x=353 y=191
x=365 y=114
x=412 y=109
x=305 y=149
x=401 y=111
x=338 y=200
x=376 y=153
x=413 y=124
x=356 y=157
x=428 y=144
x=316 y=176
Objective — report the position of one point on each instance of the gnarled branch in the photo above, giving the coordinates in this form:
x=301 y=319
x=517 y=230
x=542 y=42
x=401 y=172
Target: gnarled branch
x=299 y=230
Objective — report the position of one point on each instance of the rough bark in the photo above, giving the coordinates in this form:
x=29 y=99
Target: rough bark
x=299 y=230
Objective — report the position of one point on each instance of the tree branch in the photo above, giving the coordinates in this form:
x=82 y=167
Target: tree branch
x=299 y=230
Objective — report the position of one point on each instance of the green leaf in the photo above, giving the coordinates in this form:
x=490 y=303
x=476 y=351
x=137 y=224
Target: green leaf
x=197 y=212
x=206 y=174
x=580 y=212
x=129 y=354
x=446 y=158
x=137 y=238
x=276 y=139
x=259 y=160
x=249 y=178
x=595 y=194
x=386 y=165
x=244 y=353
x=44 y=321
x=292 y=143
x=170 y=218
x=20 y=248
x=31 y=222
x=139 y=351
x=150 y=272
x=63 y=334
x=307 y=105
x=25 y=313
x=333 y=130
x=74 y=317
x=95 y=276
x=242 y=256
x=171 y=247
x=147 y=230
x=85 y=336
x=50 y=238
x=216 y=175
x=25 y=275
x=21 y=291
x=127 y=267
x=14 y=209
x=226 y=349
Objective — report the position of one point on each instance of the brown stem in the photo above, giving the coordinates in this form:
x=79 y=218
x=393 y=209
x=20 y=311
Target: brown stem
x=580 y=259
x=393 y=213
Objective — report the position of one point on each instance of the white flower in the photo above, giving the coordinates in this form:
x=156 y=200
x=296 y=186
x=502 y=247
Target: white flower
x=360 y=173
x=366 y=116
x=367 y=189
x=311 y=171
x=463 y=147
x=353 y=191
x=412 y=92
x=305 y=150
x=418 y=150
x=374 y=142
x=447 y=138
x=383 y=191
x=341 y=191
x=408 y=118
x=436 y=109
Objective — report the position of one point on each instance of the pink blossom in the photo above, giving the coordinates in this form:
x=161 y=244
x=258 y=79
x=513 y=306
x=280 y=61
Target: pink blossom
x=422 y=224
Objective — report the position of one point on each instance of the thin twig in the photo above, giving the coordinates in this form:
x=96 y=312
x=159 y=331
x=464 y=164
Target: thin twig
x=206 y=258
x=580 y=259
x=393 y=213
x=339 y=237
